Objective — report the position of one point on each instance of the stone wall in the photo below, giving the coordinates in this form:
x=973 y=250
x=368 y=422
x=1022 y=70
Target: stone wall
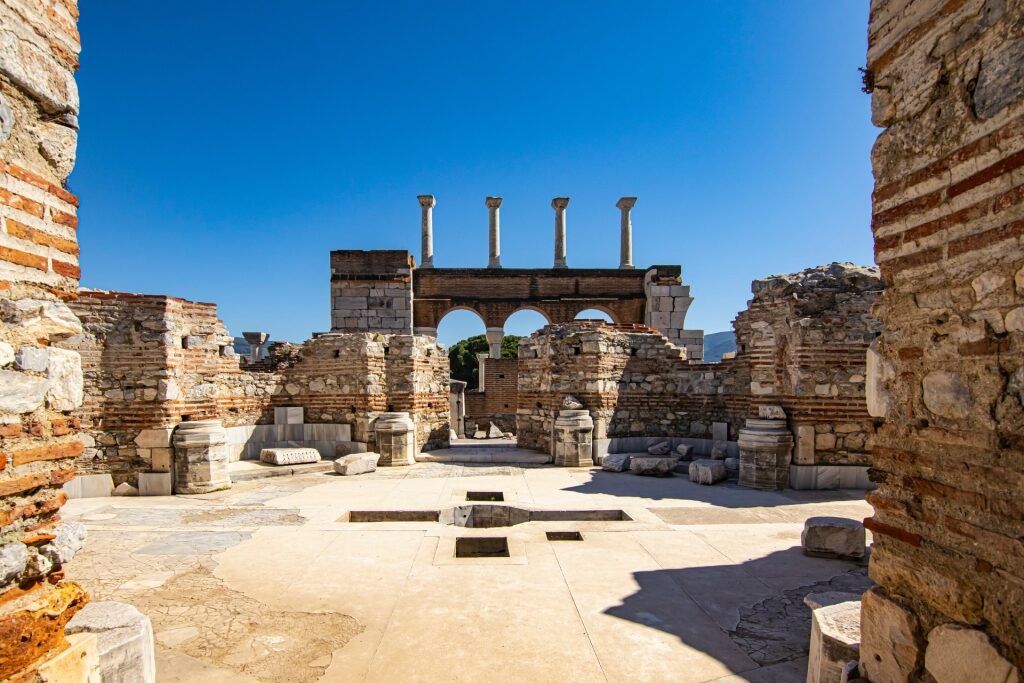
x=152 y=361
x=804 y=338
x=371 y=291
x=668 y=300
x=41 y=384
x=947 y=375
x=802 y=344
x=633 y=381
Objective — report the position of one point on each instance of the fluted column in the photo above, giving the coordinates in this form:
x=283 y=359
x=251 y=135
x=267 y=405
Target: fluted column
x=626 y=225
x=494 y=223
x=559 y=204
x=427 y=203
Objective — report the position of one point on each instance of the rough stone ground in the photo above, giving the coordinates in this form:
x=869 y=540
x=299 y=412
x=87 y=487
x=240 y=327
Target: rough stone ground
x=265 y=582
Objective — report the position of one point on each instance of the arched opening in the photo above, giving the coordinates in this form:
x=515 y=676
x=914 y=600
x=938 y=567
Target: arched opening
x=462 y=331
x=595 y=314
x=525 y=322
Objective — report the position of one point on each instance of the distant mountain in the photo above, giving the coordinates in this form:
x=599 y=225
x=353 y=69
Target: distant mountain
x=717 y=343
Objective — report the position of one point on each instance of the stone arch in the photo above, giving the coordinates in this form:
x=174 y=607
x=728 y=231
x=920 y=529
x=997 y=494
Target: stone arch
x=528 y=307
x=598 y=307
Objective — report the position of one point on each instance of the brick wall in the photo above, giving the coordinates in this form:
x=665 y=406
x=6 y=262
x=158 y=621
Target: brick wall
x=41 y=384
x=497 y=402
x=948 y=372
x=804 y=337
x=151 y=361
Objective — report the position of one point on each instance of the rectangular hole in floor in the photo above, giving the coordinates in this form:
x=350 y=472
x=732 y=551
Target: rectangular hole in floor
x=393 y=516
x=486 y=496
x=565 y=536
x=481 y=546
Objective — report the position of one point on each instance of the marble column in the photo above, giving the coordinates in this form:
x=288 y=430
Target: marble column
x=427 y=203
x=200 y=457
x=494 y=337
x=494 y=223
x=626 y=226
x=559 y=204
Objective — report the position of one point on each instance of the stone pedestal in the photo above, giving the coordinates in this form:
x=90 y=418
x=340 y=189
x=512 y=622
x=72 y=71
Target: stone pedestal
x=200 y=457
x=572 y=445
x=766 y=448
x=396 y=439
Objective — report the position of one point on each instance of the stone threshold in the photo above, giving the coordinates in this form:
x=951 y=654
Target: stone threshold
x=247 y=470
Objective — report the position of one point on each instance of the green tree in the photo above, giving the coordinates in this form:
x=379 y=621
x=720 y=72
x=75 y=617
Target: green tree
x=463 y=356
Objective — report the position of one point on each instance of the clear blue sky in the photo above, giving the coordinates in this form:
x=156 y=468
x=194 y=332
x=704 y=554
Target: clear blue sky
x=227 y=147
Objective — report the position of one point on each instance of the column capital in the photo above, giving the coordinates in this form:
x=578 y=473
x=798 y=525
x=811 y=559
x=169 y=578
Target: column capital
x=626 y=203
x=426 y=200
x=559 y=202
x=492 y=202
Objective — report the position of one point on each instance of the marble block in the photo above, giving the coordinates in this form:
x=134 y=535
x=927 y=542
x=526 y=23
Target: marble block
x=356 y=463
x=707 y=471
x=289 y=456
x=834 y=537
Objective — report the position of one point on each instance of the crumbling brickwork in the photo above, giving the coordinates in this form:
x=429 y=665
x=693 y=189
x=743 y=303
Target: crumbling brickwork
x=151 y=361
x=804 y=338
x=41 y=384
x=948 y=372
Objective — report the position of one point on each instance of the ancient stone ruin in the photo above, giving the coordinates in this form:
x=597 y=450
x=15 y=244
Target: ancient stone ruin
x=905 y=381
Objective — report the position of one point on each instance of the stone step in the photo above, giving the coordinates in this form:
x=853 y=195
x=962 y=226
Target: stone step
x=247 y=470
x=504 y=456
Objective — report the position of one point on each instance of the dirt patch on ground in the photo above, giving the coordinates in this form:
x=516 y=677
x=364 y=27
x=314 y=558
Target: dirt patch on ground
x=196 y=614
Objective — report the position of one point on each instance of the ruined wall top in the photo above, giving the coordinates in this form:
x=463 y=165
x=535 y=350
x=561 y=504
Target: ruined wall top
x=833 y=277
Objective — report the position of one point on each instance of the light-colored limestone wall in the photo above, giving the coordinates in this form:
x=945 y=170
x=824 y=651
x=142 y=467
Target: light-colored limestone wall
x=948 y=373
x=371 y=291
x=668 y=300
x=40 y=385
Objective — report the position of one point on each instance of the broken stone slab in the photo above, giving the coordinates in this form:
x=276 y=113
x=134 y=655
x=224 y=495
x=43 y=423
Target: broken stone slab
x=770 y=412
x=833 y=537
x=125 y=489
x=572 y=403
x=661 y=448
x=835 y=641
x=685 y=451
x=706 y=471
x=124 y=639
x=479 y=434
x=289 y=456
x=494 y=432
x=655 y=466
x=719 y=450
x=615 y=462
x=956 y=654
x=356 y=463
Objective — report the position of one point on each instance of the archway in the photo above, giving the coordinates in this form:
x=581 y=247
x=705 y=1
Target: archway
x=596 y=313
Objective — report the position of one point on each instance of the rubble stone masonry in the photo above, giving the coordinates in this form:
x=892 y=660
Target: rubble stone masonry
x=42 y=385
x=947 y=375
x=152 y=361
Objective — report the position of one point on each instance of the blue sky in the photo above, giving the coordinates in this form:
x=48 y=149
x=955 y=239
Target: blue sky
x=226 y=147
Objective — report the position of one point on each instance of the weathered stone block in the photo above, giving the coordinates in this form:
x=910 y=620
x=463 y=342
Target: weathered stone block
x=835 y=640
x=154 y=438
x=956 y=654
x=356 y=463
x=662 y=448
x=155 y=483
x=289 y=456
x=707 y=471
x=890 y=639
x=124 y=638
x=653 y=465
x=834 y=537
x=615 y=462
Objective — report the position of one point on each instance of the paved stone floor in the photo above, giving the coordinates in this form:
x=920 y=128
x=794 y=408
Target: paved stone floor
x=267 y=582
